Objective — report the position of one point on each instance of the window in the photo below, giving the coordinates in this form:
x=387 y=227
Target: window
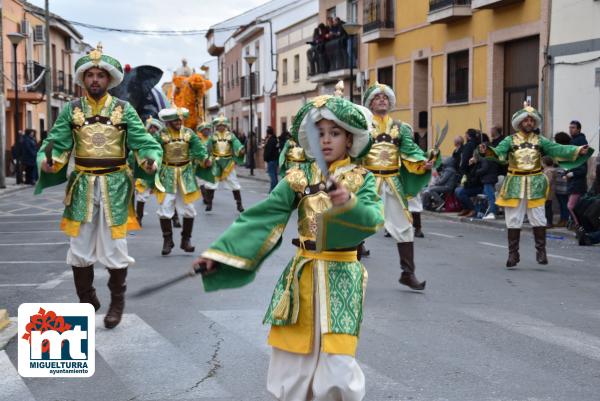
x=285 y=71
x=331 y=12
x=296 y=67
x=352 y=11
x=257 y=54
x=385 y=76
x=237 y=72
x=458 y=77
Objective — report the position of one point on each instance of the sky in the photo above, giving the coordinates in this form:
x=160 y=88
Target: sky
x=163 y=52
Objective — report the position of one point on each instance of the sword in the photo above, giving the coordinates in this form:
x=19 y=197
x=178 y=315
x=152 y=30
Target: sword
x=196 y=269
x=440 y=136
x=48 y=152
x=312 y=135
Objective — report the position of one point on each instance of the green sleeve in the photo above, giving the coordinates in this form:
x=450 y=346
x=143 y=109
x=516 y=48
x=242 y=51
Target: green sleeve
x=408 y=148
x=61 y=134
x=197 y=149
x=347 y=225
x=238 y=149
x=566 y=155
x=501 y=151
x=256 y=233
x=144 y=145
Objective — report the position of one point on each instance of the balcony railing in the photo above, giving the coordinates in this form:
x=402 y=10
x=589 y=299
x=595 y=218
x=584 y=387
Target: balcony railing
x=487 y=4
x=60 y=82
x=33 y=72
x=332 y=56
x=443 y=11
x=378 y=14
x=249 y=82
x=435 y=5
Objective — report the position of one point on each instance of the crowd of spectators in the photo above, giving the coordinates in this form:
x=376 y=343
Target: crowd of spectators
x=330 y=47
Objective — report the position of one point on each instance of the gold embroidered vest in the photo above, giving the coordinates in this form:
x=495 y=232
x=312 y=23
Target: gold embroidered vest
x=222 y=146
x=525 y=155
x=384 y=154
x=176 y=147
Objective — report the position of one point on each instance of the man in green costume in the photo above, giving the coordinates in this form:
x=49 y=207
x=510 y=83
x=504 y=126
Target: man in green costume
x=525 y=187
x=183 y=153
x=226 y=151
x=401 y=169
x=99 y=129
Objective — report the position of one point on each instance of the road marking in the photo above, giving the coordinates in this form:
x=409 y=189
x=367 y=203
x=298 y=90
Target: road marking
x=247 y=324
x=565 y=258
x=576 y=341
x=36 y=243
x=150 y=365
x=31 y=262
x=19 y=285
x=491 y=244
x=12 y=387
x=30 y=232
x=53 y=283
x=28 y=221
x=441 y=235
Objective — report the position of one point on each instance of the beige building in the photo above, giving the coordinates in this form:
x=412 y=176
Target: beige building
x=294 y=87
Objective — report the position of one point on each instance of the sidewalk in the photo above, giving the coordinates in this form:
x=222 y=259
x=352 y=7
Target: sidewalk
x=497 y=223
x=11 y=186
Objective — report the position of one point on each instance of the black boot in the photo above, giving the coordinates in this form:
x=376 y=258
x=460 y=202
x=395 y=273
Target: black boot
x=362 y=251
x=139 y=211
x=84 y=280
x=237 y=195
x=167 y=230
x=175 y=219
x=186 y=234
x=203 y=192
x=514 y=235
x=407 y=263
x=539 y=236
x=116 y=284
x=417 y=224
x=210 y=194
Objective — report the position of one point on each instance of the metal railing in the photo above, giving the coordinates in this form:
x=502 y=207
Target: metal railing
x=439 y=4
x=332 y=55
x=250 y=81
x=378 y=14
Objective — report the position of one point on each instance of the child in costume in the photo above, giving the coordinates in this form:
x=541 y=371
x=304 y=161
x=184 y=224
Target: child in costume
x=317 y=305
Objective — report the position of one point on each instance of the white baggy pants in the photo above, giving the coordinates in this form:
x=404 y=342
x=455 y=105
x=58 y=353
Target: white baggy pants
x=95 y=243
x=316 y=376
x=396 y=219
x=230 y=182
x=515 y=215
x=166 y=209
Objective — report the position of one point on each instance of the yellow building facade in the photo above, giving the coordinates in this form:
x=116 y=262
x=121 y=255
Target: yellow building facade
x=458 y=61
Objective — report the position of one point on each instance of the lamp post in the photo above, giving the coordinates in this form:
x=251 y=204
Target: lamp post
x=16 y=38
x=250 y=60
x=352 y=29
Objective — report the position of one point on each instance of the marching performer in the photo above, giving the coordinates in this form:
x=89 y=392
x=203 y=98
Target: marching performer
x=291 y=156
x=99 y=129
x=204 y=131
x=183 y=153
x=402 y=169
x=143 y=188
x=315 y=320
x=227 y=151
x=525 y=187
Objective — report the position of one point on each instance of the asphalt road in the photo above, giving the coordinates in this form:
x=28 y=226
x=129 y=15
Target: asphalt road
x=478 y=333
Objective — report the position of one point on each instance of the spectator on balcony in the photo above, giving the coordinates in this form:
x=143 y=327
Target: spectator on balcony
x=319 y=61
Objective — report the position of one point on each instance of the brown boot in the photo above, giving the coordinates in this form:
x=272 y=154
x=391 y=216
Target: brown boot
x=417 y=224
x=514 y=235
x=84 y=280
x=116 y=284
x=175 y=219
x=237 y=195
x=407 y=263
x=167 y=230
x=539 y=235
x=139 y=211
x=186 y=234
x=210 y=194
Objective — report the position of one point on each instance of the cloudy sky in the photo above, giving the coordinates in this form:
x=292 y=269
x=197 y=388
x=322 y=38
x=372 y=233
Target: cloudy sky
x=163 y=52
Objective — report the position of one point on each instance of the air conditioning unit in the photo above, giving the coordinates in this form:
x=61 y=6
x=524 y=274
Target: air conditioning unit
x=38 y=33
x=24 y=27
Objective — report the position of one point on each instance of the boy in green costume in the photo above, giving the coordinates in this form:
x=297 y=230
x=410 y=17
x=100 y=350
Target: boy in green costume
x=317 y=306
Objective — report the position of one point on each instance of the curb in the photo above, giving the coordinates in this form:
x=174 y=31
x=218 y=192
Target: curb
x=253 y=177
x=499 y=223
x=13 y=188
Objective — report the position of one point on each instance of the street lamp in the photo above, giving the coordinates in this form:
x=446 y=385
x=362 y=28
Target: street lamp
x=250 y=60
x=16 y=38
x=352 y=29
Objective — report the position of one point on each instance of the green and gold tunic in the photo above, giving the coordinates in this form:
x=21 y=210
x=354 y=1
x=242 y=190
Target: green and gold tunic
x=525 y=179
x=396 y=159
x=183 y=152
x=99 y=134
x=226 y=151
x=328 y=237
